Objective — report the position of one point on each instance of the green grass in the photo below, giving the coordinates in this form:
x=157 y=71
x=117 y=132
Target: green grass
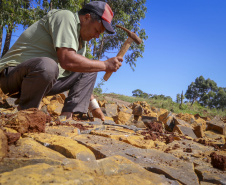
x=172 y=106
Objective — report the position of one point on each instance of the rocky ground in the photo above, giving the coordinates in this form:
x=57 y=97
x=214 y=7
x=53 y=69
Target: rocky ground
x=136 y=144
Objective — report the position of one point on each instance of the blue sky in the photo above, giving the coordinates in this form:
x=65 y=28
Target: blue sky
x=186 y=39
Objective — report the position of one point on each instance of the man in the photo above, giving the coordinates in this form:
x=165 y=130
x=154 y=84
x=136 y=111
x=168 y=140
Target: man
x=48 y=58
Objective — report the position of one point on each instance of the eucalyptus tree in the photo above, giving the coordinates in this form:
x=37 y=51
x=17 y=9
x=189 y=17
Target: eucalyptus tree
x=14 y=12
x=127 y=13
x=205 y=91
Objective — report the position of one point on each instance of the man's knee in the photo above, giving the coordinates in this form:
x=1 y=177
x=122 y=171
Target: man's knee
x=47 y=67
x=89 y=76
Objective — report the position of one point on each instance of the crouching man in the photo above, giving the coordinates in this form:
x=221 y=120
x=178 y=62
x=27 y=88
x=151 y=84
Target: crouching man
x=49 y=58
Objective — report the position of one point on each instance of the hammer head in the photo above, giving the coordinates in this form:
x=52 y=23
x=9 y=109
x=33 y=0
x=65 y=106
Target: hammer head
x=131 y=34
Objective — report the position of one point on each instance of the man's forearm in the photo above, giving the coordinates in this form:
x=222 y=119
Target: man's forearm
x=71 y=61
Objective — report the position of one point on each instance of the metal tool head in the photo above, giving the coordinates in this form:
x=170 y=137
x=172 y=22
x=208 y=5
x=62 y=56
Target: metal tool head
x=131 y=34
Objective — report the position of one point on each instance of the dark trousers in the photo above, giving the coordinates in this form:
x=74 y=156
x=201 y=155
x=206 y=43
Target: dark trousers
x=33 y=79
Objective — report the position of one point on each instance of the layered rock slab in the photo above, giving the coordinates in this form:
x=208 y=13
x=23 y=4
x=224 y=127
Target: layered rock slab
x=66 y=146
x=112 y=170
x=29 y=148
x=163 y=163
x=211 y=175
x=154 y=160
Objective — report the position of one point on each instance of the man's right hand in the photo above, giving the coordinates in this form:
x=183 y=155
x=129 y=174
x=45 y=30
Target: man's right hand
x=113 y=64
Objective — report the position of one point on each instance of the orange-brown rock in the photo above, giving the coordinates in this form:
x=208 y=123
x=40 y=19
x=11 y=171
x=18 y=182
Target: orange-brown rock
x=30 y=120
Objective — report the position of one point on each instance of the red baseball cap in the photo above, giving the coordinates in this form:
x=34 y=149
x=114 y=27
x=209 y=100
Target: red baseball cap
x=104 y=11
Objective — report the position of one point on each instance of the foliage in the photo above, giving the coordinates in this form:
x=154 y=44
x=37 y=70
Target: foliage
x=206 y=93
x=178 y=98
x=15 y=12
x=128 y=13
x=98 y=90
x=140 y=93
x=161 y=97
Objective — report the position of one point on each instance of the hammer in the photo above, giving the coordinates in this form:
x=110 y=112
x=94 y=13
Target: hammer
x=131 y=37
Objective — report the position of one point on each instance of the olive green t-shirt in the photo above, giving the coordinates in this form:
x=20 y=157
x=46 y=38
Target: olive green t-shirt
x=59 y=28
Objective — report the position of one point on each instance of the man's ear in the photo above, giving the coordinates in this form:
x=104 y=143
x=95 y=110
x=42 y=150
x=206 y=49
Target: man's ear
x=87 y=16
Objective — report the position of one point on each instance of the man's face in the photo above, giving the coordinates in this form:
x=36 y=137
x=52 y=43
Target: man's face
x=90 y=29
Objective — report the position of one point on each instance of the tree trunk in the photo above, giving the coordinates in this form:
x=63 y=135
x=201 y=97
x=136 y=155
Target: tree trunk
x=7 y=41
x=1 y=33
x=181 y=100
x=94 y=49
x=101 y=47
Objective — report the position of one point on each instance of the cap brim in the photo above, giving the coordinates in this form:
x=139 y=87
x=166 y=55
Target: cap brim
x=108 y=27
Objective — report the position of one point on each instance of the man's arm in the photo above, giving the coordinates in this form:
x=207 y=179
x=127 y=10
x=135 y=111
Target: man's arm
x=71 y=61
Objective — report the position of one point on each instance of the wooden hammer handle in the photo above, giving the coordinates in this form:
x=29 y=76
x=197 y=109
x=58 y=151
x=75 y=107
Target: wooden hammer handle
x=121 y=53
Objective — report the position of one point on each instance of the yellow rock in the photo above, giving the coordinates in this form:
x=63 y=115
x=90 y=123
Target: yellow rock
x=10 y=130
x=109 y=133
x=162 y=113
x=3 y=145
x=59 y=98
x=46 y=101
x=66 y=146
x=152 y=114
x=123 y=118
x=109 y=118
x=63 y=97
x=49 y=97
x=138 y=141
x=55 y=107
x=214 y=137
x=121 y=129
x=159 y=144
x=29 y=148
x=163 y=116
x=102 y=103
x=186 y=117
x=66 y=131
x=200 y=122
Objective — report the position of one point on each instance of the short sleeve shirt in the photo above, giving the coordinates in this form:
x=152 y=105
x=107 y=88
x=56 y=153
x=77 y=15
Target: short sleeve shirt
x=59 y=28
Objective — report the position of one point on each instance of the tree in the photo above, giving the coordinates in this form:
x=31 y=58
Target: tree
x=161 y=97
x=181 y=100
x=128 y=14
x=192 y=93
x=220 y=99
x=14 y=12
x=203 y=91
x=141 y=94
x=178 y=98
